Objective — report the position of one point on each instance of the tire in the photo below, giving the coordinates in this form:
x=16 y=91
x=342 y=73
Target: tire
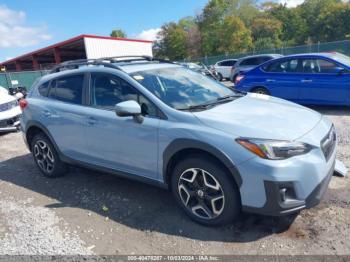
x=46 y=157
x=260 y=90
x=220 y=78
x=233 y=80
x=197 y=199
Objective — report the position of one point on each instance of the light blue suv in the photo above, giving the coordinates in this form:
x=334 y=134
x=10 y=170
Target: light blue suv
x=219 y=151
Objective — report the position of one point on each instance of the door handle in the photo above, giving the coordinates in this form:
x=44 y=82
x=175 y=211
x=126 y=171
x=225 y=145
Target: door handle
x=270 y=80
x=306 y=81
x=91 y=121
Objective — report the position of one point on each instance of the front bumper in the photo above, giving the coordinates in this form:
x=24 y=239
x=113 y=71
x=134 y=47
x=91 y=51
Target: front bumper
x=10 y=125
x=280 y=187
x=280 y=197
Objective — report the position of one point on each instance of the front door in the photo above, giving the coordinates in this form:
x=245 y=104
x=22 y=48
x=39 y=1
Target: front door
x=324 y=82
x=121 y=143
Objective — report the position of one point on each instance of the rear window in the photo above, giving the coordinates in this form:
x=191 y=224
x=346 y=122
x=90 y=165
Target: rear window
x=68 y=89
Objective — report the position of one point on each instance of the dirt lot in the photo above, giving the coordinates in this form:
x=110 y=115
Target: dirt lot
x=87 y=212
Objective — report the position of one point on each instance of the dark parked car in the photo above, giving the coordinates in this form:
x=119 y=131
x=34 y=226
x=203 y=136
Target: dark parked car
x=247 y=63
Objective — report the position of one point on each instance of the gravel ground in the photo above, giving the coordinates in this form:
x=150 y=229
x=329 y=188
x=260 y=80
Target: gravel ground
x=93 y=213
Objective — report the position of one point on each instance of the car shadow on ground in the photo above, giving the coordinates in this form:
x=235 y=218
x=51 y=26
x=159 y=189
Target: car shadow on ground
x=133 y=204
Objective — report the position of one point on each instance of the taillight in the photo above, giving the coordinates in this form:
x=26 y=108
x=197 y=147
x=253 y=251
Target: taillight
x=23 y=103
x=239 y=78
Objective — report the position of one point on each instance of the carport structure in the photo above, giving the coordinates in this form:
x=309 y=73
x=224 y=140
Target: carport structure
x=79 y=47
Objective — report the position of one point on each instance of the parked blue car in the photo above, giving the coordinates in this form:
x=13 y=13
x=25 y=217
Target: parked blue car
x=320 y=79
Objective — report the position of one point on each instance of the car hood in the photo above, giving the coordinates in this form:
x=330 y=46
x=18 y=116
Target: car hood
x=261 y=116
x=5 y=98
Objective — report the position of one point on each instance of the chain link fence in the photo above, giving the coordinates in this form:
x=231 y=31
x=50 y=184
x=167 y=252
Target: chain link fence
x=338 y=46
x=25 y=78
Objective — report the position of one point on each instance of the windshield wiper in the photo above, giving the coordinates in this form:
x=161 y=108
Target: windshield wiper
x=194 y=107
x=231 y=97
x=219 y=100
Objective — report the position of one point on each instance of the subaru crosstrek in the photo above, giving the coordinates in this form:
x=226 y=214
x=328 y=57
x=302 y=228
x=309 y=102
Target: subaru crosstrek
x=218 y=150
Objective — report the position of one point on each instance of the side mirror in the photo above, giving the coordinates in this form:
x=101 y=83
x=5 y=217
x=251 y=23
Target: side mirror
x=340 y=71
x=129 y=108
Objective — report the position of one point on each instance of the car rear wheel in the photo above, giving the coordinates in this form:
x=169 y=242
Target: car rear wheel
x=46 y=157
x=203 y=189
x=260 y=90
x=233 y=80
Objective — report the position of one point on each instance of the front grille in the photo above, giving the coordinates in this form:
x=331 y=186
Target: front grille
x=328 y=143
x=8 y=106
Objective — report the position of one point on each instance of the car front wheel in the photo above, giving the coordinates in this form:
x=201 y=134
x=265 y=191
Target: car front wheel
x=203 y=189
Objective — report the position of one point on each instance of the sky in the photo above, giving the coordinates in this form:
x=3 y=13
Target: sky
x=29 y=25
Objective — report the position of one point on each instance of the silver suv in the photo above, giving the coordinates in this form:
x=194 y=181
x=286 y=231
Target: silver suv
x=218 y=150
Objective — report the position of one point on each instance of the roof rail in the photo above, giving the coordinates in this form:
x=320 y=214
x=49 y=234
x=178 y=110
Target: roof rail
x=74 y=64
x=133 y=58
x=104 y=61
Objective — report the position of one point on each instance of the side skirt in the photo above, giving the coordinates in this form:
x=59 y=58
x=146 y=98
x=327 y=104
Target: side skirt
x=121 y=174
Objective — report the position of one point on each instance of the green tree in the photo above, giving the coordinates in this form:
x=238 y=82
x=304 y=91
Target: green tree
x=334 y=22
x=213 y=17
x=118 y=33
x=234 y=36
x=294 y=26
x=264 y=43
x=172 y=43
x=267 y=30
x=310 y=11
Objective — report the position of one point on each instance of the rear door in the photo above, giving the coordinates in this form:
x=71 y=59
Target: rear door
x=324 y=82
x=64 y=114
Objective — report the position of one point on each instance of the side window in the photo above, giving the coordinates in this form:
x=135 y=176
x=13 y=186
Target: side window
x=328 y=67
x=231 y=62
x=284 y=66
x=264 y=59
x=68 y=89
x=109 y=90
x=250 y=62
x=43 y=89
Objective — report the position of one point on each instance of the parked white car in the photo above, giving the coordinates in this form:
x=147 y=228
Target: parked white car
x=223 y=68
x=9 y=111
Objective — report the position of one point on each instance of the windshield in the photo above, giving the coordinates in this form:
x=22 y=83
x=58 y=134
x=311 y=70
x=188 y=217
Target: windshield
x=345 y=60
x=181 y=88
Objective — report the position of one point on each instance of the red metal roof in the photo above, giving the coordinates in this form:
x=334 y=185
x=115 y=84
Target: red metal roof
x=71 y=40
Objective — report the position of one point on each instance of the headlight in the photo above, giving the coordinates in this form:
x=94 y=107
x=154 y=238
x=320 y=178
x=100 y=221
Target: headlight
x=274 y=149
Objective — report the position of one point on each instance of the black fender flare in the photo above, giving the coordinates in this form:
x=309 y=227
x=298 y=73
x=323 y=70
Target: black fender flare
x=181 y=144
x=33 y=123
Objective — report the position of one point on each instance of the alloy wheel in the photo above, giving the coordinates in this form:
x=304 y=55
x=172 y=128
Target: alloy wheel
x=43 y=156
x=201 y=193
